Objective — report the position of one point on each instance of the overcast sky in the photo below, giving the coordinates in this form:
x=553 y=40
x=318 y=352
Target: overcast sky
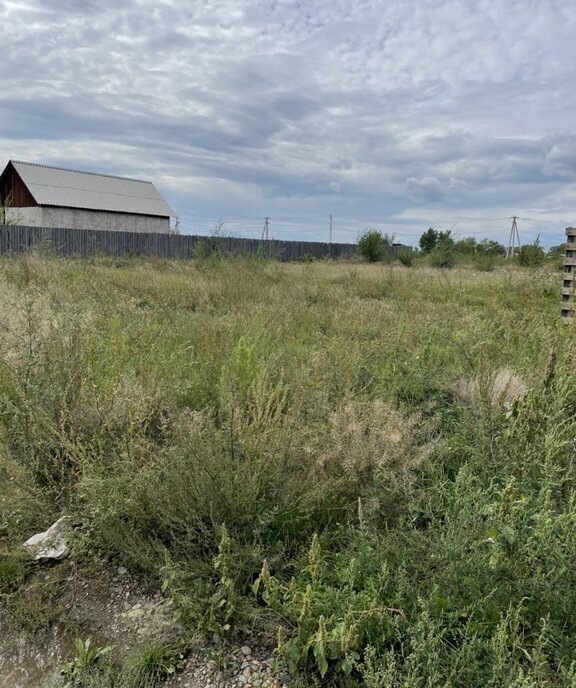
x=395 y=114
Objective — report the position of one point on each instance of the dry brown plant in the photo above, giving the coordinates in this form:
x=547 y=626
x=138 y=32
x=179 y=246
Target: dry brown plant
x=373 y=445
x=501 y=388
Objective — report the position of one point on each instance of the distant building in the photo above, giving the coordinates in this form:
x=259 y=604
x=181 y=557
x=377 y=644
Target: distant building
x=42 y=196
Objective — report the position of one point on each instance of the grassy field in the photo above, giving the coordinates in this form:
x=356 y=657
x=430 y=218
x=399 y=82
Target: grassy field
x=374 y=464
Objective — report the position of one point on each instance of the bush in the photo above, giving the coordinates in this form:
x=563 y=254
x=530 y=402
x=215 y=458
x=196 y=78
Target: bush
x=485 y=262
x=406 y=257
x=371 y=245
x=466 y=246
x=443 y=255
x=531 y=255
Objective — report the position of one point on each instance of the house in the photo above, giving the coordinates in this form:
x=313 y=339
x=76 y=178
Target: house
x=42 y=196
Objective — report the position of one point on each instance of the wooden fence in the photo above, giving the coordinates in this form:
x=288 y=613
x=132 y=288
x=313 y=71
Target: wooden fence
x=88 y=242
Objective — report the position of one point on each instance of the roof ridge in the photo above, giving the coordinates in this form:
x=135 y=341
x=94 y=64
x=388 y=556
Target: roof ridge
x=68 y=169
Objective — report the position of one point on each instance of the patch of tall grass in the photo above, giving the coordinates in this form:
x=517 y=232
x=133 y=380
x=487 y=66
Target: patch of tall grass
x=377 y=460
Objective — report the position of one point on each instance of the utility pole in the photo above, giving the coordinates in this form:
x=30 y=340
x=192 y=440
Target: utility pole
x=331 y=216
x=513 y=238
x=266 y=230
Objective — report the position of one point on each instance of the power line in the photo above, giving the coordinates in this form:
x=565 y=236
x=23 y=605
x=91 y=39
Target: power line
x=348 y=227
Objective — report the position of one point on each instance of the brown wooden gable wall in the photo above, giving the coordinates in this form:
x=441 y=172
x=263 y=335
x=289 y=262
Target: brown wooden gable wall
x=13 y=190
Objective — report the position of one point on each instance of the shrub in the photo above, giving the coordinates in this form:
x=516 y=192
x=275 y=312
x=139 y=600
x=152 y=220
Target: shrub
x=443 y=255
x=485 y=262
x=466 y=246
x=406 y=257
x=531 y=255
x=371 y=245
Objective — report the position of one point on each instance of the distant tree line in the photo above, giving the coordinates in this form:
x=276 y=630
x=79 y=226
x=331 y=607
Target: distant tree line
x=442 y=250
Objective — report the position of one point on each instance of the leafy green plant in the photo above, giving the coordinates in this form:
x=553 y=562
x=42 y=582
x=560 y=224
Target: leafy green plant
x=212 y=605
x=329 y=622
x=153 y=664
x=84 y=660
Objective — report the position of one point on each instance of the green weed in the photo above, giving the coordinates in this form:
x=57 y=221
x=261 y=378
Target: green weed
x=396 y=446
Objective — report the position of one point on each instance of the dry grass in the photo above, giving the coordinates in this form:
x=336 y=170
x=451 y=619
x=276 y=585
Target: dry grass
x=373 y=444
x=500 y=388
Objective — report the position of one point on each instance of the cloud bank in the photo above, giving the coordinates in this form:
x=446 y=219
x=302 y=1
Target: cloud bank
x=398 y=114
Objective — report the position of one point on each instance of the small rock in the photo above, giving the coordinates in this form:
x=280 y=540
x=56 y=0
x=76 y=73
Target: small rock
x=122 y=571
x=51 y=544
x=246 y=651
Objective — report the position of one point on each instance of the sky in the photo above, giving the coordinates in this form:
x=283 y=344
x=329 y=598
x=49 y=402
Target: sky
x=389 y=114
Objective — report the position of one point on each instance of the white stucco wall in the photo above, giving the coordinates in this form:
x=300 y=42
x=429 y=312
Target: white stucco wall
x=72 y=218
x=29 y=217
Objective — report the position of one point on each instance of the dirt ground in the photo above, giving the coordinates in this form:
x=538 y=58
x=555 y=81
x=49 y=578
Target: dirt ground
x=107 y=604
x=60 y=605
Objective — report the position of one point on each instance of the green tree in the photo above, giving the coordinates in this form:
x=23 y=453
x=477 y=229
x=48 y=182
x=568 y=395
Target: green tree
x=428 y=240
x=466 y=246
x=443 y=254
x=490 y=247
x=557 y=251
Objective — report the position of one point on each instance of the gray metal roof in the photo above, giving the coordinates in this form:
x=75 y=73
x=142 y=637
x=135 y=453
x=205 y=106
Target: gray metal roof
x=70 y=189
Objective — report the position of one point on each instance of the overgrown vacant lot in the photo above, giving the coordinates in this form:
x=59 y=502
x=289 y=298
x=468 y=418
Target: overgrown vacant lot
x=374 y=464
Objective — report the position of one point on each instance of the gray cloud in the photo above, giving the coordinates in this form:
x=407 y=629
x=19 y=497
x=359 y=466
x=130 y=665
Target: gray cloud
x=400 y=113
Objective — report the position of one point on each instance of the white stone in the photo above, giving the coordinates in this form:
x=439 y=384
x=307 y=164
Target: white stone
x=50 y=544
